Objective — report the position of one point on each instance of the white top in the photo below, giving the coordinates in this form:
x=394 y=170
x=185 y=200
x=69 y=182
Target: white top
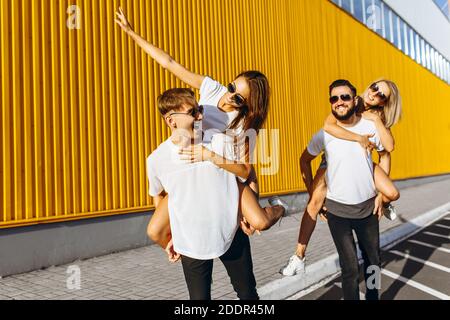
x=203 y=202
x=215 y=123
x=214 y=120
x=349 y=174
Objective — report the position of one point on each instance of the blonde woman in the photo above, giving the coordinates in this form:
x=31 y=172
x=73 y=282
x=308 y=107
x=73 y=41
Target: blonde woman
x=381 y=103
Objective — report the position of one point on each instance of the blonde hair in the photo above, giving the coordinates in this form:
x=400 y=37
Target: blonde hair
x=392 y=110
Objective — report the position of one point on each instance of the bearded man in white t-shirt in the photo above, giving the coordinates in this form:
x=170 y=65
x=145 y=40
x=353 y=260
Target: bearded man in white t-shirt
x=352 y=201
x=203 y=203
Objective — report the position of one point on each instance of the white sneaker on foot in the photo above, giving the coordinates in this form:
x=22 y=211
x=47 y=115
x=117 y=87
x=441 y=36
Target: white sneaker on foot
x=389 y=212
x=276 y=201
x=294 y=266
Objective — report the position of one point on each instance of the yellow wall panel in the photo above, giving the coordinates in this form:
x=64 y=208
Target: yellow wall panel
x=78 y=107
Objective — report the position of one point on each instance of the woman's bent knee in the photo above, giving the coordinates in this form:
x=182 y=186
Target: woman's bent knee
x=394 y=195
x=261 y=224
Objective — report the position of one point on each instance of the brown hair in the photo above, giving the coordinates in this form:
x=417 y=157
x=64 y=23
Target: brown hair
x=173 y=99
x=254 y=114
x=342 y=83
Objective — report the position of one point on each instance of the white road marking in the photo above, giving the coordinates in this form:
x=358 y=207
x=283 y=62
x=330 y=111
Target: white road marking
x=416 y=285
x=442 y=226
x=436 y=235
x=430 y=246
x=428 y=263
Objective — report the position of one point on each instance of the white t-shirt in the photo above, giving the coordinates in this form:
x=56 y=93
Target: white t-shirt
x=214 y=120
x=203 y=202
x=215 y=123
x=349 y=174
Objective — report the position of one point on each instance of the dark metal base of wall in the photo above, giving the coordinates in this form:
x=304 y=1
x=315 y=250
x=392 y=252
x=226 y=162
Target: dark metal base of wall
x=35 y=247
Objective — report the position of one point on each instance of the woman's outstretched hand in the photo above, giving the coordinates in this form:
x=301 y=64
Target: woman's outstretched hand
x=122 y=21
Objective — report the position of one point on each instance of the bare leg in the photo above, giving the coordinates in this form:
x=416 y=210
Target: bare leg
x=158 y=228
x=385 y=185
x=309 y=219
x=259 y=218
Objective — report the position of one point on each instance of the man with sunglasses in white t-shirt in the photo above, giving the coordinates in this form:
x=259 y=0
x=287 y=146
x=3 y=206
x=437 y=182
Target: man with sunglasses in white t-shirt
x=352 y=201
x=203 y=204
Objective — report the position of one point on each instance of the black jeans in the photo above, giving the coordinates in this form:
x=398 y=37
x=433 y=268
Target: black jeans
x=367 y=232
x=238 y=263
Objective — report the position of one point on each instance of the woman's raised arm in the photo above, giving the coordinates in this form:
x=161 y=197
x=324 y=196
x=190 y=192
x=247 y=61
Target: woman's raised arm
x=160 y=56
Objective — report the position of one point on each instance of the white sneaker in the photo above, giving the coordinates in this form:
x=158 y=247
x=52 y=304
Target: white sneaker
x=294 y=266
x=389 y=212
x=276 y=201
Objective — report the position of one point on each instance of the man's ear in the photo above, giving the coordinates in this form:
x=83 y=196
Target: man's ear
x=359 y=104
x=171 y=122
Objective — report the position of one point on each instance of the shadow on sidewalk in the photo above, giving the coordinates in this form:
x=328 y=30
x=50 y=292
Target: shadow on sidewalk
x=333 y=289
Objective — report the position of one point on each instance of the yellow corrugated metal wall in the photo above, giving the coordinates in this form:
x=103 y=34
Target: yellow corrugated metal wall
x=78 y=114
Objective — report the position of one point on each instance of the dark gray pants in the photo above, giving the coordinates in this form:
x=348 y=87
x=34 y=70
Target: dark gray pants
x=368 y=234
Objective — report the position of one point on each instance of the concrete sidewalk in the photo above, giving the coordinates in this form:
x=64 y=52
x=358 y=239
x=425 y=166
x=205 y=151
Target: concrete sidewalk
x=145 y=273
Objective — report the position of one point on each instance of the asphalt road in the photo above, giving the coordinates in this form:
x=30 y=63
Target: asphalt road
x=418 y=268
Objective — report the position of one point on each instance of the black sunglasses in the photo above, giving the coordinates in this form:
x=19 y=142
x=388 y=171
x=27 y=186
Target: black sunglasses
x=238 y=99
x=193 y=112
x=375 y=88
x=343 y=97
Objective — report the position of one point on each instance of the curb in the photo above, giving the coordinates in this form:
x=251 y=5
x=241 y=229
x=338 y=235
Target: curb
x=328 y=267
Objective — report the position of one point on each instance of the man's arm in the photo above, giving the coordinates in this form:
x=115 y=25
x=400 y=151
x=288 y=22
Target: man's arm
x=158 y=198
x=168 y=247
x=305 y=167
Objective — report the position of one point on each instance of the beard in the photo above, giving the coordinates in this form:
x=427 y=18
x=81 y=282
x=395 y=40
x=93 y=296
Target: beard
x=346 y=116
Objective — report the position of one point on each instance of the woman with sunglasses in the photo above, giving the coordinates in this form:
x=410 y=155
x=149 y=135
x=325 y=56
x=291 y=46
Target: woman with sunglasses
x=380 y=103
x=240 y=107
